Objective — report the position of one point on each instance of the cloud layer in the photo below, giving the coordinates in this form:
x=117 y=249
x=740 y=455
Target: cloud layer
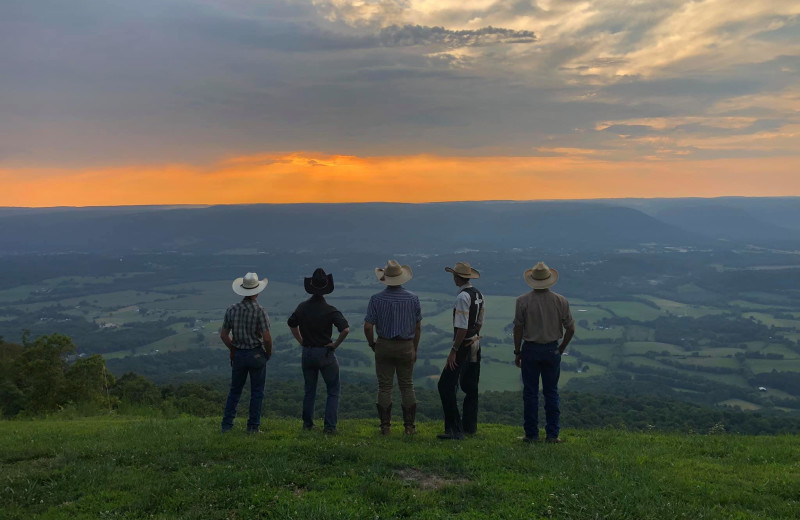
x=105 y=84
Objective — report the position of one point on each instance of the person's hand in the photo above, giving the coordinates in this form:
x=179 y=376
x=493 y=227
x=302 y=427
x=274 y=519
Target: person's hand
x=268 y=353
x=372 y=346
x=518 y=360
x=451 y=364
x=331 y=345
x=231 y=354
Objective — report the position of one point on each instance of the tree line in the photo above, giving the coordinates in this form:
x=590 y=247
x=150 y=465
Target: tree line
x=43 y=377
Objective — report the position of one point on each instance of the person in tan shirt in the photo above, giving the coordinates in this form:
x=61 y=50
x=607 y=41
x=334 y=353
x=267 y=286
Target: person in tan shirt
x=541 y=319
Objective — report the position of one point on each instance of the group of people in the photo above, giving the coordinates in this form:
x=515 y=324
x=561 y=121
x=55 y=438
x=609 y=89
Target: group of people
x=543 y=327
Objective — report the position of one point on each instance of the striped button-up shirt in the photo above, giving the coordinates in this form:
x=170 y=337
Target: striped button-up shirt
x=395 y=312
x=247 y=320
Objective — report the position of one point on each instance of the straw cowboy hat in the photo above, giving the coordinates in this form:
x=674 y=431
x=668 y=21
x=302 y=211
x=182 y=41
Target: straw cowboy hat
x=249 y=285
x=319 y=283
x=540 y=276
x=394 y=273
x=464 y=270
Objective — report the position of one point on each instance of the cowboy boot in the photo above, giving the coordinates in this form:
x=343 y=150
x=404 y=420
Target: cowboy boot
x=385 y=415
x=409 y=414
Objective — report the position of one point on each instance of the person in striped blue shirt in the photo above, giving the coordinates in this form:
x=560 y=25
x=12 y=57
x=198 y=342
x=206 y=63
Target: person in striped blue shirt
x=394 y=314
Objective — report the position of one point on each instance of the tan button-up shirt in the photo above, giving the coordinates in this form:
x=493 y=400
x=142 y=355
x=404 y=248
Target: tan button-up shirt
x=543 y=316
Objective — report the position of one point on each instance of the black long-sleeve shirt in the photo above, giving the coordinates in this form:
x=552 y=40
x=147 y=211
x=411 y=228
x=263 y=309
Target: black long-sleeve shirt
x=316 y=319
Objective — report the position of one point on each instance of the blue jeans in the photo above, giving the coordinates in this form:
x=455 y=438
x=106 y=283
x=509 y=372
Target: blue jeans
x=540 y=359
x=320 y=360
x=251 y=362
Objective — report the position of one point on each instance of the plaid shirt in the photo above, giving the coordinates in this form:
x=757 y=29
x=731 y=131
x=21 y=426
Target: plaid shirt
x=247 y=320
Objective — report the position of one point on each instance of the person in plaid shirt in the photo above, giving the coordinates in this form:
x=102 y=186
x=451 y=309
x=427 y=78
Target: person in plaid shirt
x=250 y=349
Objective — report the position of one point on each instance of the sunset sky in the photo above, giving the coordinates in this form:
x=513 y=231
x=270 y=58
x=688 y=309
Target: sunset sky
x=108 y=102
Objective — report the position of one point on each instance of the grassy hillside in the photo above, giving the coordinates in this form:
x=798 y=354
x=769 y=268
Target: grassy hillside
x=167 y=468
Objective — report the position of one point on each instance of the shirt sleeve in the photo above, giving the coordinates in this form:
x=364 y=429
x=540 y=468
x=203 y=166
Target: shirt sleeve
x=519 y=315
x=339 y=321
x=418 y=309
x=293 y=321
x=263 y=321
x=372 y=314
x=461 y=316
x=227 y=322
x=566 y=319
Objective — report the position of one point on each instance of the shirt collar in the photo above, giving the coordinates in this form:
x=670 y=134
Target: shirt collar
x=467 y=285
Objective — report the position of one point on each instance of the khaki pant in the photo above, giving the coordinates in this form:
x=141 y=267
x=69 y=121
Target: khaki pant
x=395 y=356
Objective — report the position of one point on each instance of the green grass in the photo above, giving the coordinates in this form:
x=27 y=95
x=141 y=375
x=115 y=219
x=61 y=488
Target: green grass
x=786 y=352
x=681 y=309
x=604 y=351
x=741 y=404
x=759 y=366
x=643 y=347
x=159 y=468
x=634 y=310
x=770 y=321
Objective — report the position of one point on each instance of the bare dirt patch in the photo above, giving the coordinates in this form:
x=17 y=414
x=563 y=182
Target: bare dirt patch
x=427 y=480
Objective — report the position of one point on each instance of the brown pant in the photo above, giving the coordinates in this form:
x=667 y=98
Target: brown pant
x=391 y=356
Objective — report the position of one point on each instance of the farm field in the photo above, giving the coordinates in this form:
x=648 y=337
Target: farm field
x=188 y=316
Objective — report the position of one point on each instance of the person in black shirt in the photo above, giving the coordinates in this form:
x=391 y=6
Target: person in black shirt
x=312 y=325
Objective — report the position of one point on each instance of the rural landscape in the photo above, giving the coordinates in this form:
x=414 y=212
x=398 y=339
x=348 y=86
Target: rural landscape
x=184 y=179
x=709 y=319
x=696 y=335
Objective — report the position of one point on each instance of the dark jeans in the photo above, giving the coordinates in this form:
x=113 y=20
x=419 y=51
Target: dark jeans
x=251 y=362
x=540 y=359
x=321 y=360
x=467 y=374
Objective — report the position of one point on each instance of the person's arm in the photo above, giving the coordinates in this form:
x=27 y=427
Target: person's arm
x=296 y=334
x=294 y=325
x=518 y=345
x=418 y=327
x=417 y=334
x=267 y=343
x=225 y=336
x=369 y=333
x=568 y=333
x=342 y=334
x=451 y=358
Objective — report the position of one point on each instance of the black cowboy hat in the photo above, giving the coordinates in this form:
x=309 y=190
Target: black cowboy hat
x=319 y=283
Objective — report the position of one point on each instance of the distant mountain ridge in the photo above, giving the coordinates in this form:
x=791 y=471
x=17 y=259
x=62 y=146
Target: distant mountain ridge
x=319 y=227
x=392 y=227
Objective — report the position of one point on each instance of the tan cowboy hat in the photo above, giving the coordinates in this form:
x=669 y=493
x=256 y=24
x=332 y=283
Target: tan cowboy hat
x=394 y=273
x=540 y=276
x=464 y=270
x=249 y=285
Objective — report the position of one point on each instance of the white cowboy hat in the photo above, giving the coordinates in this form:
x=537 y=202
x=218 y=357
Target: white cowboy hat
x=249 y=285
x=394 y=273
x=540 y=276
x=464 y=270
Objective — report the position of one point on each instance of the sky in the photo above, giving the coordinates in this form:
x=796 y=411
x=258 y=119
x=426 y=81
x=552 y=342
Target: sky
x=113 y=102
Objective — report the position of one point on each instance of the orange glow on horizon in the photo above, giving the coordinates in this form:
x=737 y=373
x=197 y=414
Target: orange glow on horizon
x=312 y=177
